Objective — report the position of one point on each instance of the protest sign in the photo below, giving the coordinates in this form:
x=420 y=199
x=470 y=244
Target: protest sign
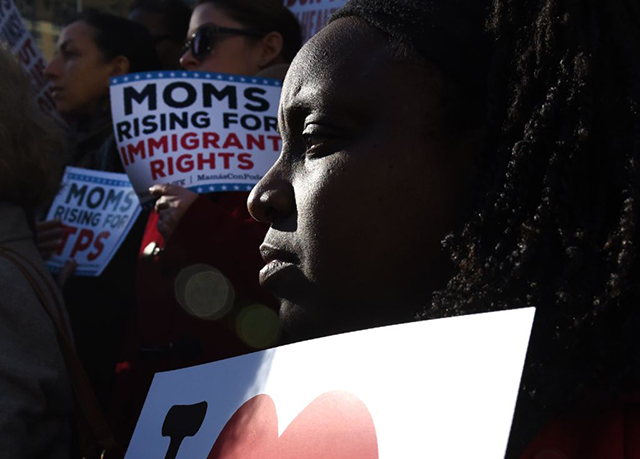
x=97 y=210
x=14 y=33
x=203 y=131
x=313 y=15
x=442 y=388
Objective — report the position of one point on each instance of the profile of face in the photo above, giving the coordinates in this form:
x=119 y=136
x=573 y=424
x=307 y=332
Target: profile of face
x=230 y=53
x=364 y=190
x=79 y=72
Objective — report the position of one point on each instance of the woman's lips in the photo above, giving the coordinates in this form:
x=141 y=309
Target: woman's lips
x=281 y=266
x=275 y=270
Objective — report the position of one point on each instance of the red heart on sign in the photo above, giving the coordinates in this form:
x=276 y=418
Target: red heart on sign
x=336 y=425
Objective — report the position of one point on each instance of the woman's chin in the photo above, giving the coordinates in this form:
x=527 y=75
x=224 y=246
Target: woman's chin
x=304 y=322
x=301 y=323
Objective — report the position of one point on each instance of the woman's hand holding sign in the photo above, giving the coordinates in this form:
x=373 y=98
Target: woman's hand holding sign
x=172 y=204
x=48 y=235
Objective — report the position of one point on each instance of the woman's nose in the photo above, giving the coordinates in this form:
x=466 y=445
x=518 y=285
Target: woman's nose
x=187 y=61
x=52 y=70
x=272 y=199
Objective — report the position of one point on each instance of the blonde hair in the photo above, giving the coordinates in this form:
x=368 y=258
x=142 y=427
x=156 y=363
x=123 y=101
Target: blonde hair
x=30 y=141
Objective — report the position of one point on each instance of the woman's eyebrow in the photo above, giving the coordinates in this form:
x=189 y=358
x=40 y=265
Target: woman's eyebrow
x=290 y=115
x=297 y=108
x=65 y=44
x=323 y=101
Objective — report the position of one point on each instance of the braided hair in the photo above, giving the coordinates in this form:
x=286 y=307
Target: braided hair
x=554 y=218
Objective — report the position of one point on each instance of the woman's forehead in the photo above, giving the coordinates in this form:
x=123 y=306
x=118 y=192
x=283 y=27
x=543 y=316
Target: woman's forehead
x=347 y=75
x=346 y=51
x=344 y=40
x=77 y=32
x=208 y=13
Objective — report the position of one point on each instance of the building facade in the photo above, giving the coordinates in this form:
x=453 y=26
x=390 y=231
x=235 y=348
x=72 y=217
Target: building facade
x=45 y=18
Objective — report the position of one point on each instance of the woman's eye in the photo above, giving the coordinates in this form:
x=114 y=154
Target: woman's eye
x=69 y=53
x=318 y=142
x=316 y=145
x=311 y=140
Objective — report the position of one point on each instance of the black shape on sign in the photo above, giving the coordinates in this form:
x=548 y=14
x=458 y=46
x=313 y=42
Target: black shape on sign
x=180 y=422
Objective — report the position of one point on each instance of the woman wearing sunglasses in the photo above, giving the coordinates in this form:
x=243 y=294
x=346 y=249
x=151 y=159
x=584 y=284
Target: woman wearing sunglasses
x=209 y=241
x=241 y=37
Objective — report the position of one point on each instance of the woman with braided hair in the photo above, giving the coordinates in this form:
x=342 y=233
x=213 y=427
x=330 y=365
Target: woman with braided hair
x=507 y=131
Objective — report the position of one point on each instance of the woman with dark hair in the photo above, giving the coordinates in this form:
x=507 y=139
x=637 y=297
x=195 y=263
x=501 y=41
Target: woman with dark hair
x=93 y=48
x=242 y=37
x=409 y=124
x=198 y=296
x=167 y=21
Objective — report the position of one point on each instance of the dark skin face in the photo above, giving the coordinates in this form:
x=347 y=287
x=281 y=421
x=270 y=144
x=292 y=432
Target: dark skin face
x=365 y=187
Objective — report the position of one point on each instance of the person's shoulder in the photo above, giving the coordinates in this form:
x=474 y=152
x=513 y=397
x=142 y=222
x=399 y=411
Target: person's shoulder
x=13 y=224
x=19 y=258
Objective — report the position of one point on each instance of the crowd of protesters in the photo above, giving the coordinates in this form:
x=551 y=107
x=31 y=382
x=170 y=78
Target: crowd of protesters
x=439 y=158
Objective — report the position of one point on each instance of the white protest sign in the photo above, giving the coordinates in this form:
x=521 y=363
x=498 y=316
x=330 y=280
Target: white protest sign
x=313 y=15
x=97 y=210
x=203 y=131
x=23 y=46
x=443 y=388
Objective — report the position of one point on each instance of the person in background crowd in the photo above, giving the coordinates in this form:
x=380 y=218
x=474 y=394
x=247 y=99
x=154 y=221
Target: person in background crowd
x=167 y=21
x=93 y=48
x=406 y=123
x=198 y=294
x=242 y=38
x=36 y=399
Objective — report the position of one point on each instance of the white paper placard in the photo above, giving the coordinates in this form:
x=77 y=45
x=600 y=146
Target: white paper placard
x=97 y=210
x=443 y=388
x=203 y=131
x=313 y=15
x=23 y=46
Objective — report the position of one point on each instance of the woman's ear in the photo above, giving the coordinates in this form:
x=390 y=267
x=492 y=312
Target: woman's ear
x=119 y=66
x=270 y=49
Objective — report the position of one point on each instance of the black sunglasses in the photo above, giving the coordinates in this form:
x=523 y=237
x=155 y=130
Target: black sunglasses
x=203 y=40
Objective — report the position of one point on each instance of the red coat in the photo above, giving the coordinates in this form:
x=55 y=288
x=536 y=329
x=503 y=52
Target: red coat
x=594 y=431
x=217 y=231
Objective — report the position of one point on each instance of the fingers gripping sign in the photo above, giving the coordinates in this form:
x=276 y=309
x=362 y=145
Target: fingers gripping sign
x=66 y=272
x=48 y=235
x=172 y=204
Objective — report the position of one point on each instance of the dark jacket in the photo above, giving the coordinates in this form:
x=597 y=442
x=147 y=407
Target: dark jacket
x=36 y=400
x=216 y=231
